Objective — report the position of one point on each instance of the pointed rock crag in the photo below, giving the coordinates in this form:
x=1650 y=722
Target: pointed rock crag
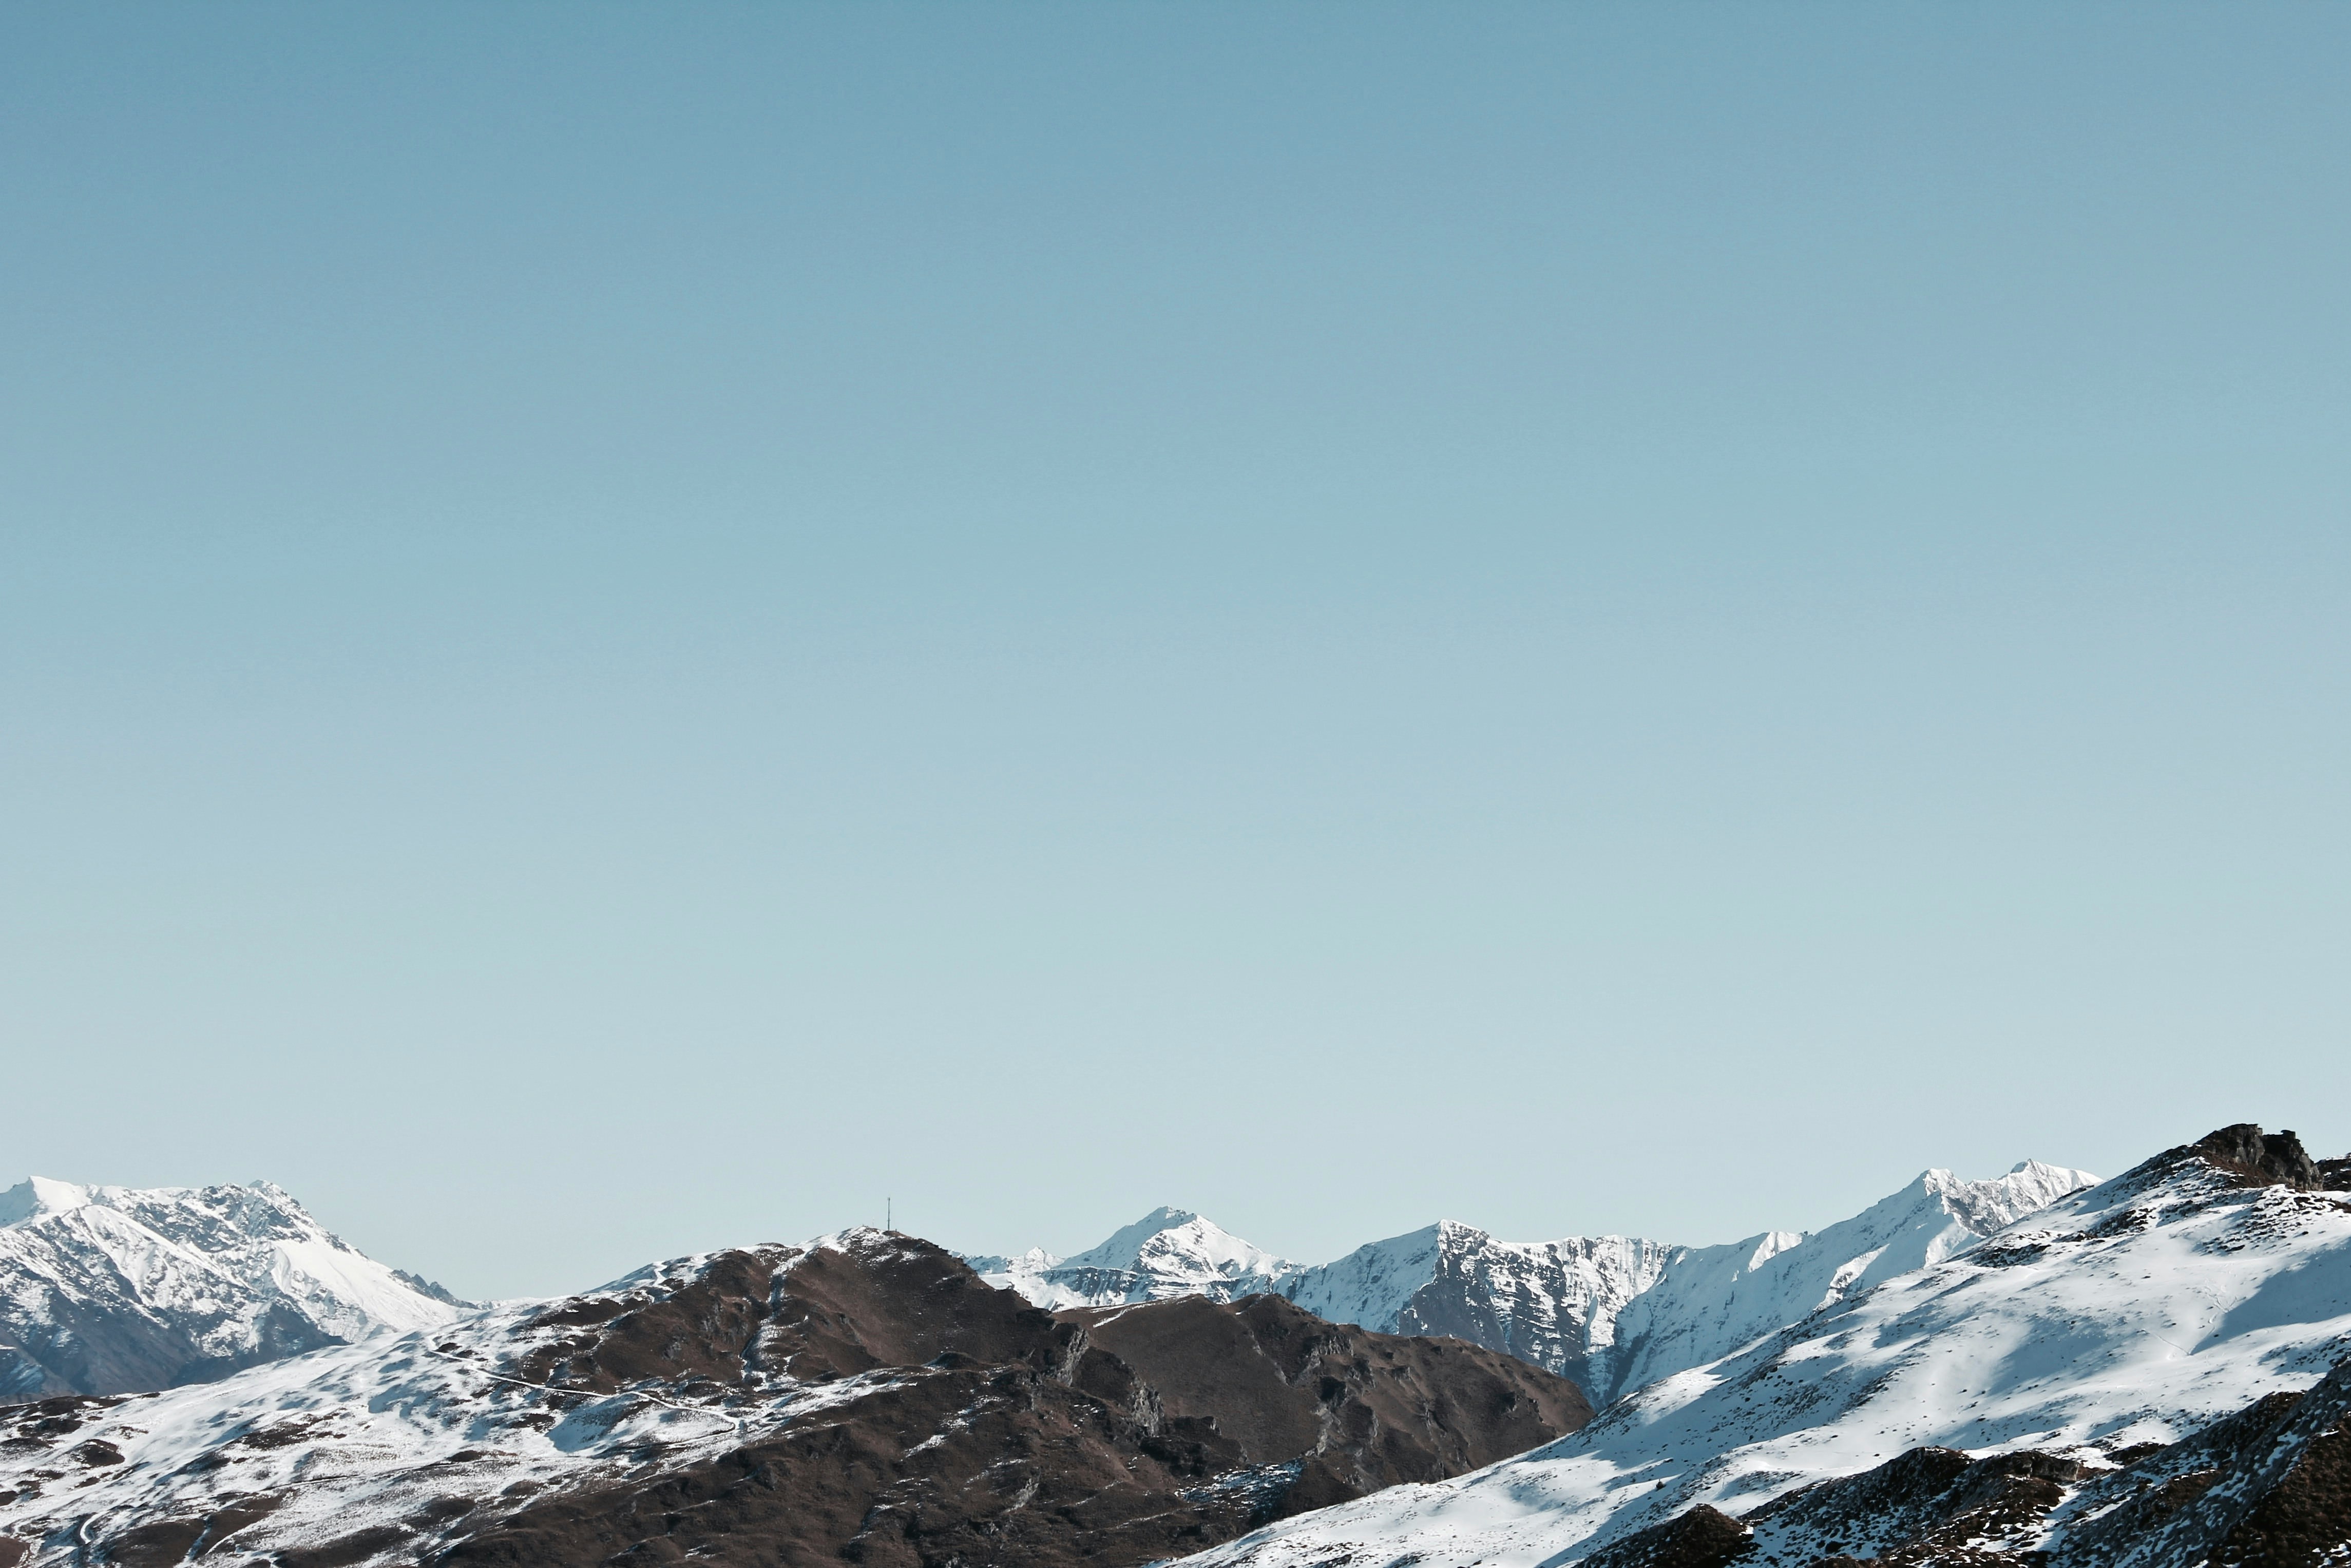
x=2260 y=1158
x=110 y=1289
x=863 y=1399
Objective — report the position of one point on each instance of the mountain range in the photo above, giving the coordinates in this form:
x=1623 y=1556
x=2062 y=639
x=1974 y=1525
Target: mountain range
x=2038 y=1371
x=1612 y=1312
x=863 y=1398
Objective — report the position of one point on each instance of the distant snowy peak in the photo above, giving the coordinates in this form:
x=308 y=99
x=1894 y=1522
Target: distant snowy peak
x=1984 y=1207
x=1168 y=1253
x=1175 y=1244
x=109 y=1289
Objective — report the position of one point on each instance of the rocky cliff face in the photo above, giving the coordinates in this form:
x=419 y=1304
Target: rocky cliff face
x=1554 y=1303
x=866 y=1399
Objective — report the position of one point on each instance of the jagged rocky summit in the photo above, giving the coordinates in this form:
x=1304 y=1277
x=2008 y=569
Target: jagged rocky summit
x=110 y=1289
x=865 y=1398
x=2153 y=1372
x=1611 y=1312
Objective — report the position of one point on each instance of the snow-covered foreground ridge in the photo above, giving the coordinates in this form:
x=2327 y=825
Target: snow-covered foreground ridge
x=1610 y=1312
x=2129 y=1314
x=108 y=1290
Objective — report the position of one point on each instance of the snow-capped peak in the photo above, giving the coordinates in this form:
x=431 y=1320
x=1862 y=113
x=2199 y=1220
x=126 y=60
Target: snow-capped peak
x=1984 y=1207
x=35 y=1198
x=112 y=1290
x=1178 y=1243
x=1124 y=1247
x=1167 y=1252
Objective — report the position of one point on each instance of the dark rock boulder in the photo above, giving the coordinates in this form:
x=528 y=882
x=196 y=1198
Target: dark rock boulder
x=1705 y=1537
x=2269 y=1487
x=2263 y=1159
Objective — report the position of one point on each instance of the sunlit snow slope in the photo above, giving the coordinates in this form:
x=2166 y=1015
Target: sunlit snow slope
x=2131 y=1313
x=109 y=1289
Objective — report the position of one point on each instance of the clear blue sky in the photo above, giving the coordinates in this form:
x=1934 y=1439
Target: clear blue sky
x=623 y=628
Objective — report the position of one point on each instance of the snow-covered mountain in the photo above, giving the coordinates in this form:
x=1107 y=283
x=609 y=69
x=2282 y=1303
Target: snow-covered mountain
x=2057 y=1351
x=109 y=1289
x=1167 y=1253
x=1610 y=1312
x=1554 y=1303
x=2150 y=1373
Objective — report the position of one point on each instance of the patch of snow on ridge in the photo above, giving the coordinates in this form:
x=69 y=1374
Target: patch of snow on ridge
x=2135 y=1311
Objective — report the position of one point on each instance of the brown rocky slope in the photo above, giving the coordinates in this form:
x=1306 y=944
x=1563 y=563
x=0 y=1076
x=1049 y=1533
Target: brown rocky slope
x=887 y=1408
x=1112 y=1435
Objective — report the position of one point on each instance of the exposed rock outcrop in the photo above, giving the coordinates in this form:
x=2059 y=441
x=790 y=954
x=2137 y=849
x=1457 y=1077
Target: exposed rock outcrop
x=2267 y=1487
x=2260 y=1159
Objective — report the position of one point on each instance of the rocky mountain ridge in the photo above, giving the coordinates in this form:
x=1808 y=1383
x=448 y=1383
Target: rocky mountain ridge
x=1611 y=1312
x=863 y=1398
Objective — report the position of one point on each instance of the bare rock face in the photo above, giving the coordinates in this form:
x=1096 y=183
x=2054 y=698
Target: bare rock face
x=1106 y=1435
x=1705 y=1537
x=1928 y=1506
x=2262 y=1160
